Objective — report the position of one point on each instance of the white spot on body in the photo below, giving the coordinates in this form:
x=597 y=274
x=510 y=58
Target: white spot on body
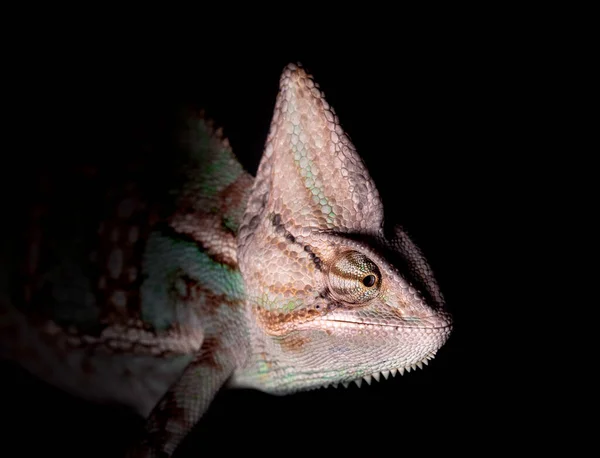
x=269 y=150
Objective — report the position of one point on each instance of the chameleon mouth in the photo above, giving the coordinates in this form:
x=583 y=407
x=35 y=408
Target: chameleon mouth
x=397 y=326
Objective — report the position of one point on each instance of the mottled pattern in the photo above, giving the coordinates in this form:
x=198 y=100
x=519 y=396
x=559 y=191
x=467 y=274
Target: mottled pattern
x=155 y=293
x=119 y=278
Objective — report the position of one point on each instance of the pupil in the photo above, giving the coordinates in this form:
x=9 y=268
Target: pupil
x=369 y=281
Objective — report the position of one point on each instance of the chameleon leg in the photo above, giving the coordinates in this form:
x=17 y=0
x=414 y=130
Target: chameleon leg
x=186 y=401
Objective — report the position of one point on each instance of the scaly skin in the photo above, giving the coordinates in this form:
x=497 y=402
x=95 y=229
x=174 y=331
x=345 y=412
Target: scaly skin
x=167 y=290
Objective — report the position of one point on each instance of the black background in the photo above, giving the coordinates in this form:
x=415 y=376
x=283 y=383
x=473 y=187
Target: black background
x=444 y=126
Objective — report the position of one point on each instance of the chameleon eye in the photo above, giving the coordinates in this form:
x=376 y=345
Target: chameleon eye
x=354 y=278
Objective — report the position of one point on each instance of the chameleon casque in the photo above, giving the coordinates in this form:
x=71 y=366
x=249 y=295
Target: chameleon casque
x=155 y=295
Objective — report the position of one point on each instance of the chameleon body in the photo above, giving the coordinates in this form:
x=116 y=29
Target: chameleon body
x=155 y=293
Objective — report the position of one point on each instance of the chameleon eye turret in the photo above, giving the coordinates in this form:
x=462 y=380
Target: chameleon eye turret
x=353 y=278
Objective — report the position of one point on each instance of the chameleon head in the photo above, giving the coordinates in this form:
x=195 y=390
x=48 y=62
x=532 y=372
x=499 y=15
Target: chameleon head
x=332 y=297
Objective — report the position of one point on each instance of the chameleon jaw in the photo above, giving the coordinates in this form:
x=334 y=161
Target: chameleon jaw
x=377 y=375
x=291 y=378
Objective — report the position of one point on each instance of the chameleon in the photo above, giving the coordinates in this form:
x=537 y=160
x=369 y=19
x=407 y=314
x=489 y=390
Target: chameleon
x=159 y=285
